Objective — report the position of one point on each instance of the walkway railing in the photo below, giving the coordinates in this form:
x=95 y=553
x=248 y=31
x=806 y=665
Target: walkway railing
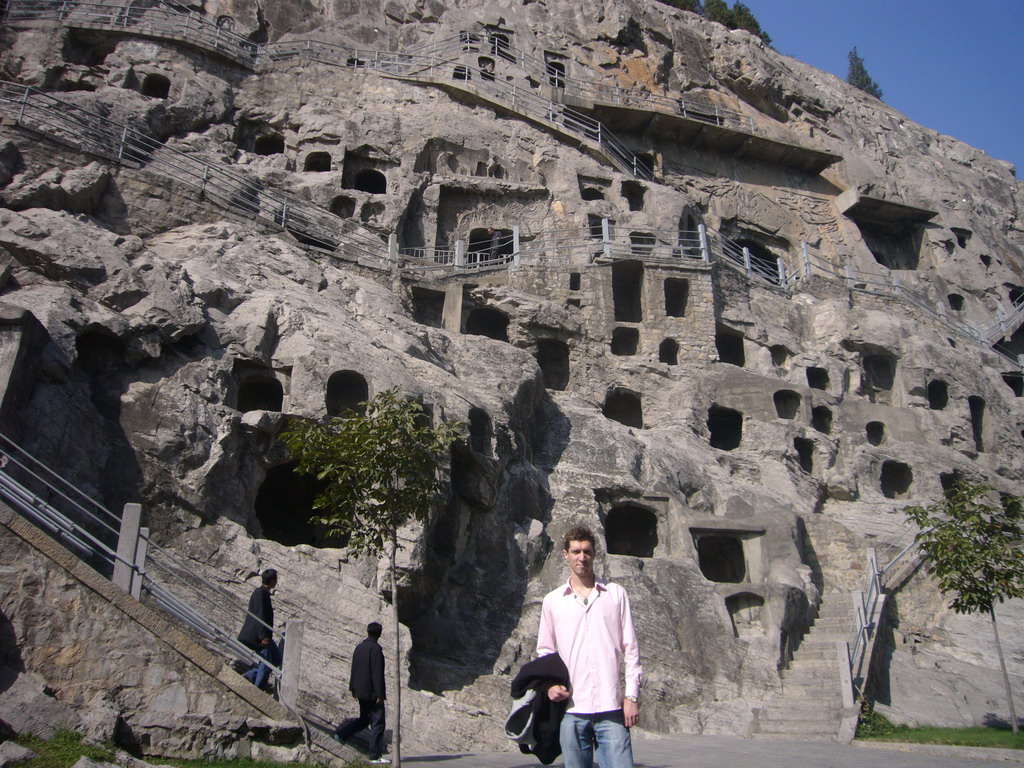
x=319 y=229
x=869 y=602
x=434 y=69
x=587 y=90
x=96 y=535
x=324 y=232
x=226 y=187
x=154 y=21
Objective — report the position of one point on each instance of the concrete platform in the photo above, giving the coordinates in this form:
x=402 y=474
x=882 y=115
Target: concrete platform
x=730 y=752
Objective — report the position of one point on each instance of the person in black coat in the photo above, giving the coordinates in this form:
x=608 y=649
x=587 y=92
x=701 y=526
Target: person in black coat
x=367 y=685
x=257 y=632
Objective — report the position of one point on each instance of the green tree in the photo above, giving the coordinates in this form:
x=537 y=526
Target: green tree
x=743 y=18
x=858 y=76
x=684 y=5
x=972 y=543
x=737 y=17
x=718 y=10
x=378 y=471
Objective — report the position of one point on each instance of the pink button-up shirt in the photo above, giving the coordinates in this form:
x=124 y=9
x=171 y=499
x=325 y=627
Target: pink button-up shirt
x=593 y=640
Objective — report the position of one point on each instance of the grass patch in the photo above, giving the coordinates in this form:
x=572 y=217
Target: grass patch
x=62 y=751
x=876 y=727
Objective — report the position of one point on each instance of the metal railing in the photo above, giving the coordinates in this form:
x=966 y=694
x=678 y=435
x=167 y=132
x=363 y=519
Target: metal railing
x=324 y=232
x=228 y=188
x=158 y=21
x=433 y=68
x=587 y=90
x=90 y=531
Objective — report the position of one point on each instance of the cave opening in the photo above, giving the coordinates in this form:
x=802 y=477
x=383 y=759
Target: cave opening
x=317 y=162
x=938 y=395
x=627 y=285
x=896 y=479
x=346 y=393
x=553 y=359
x=821 y=419
x=729 y=344
x=668 y=352
x=787 y=403
x=721 y=557
x=489 y=322
x=625 y=341
x=625 y=407
x=805 y=453
x=631 y=530
x=977 y=408
x=726 y=428
x=677 y=294
x=284 y=509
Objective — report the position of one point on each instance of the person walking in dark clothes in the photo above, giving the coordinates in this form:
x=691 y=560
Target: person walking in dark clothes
x=367 y=685
x=257 y=630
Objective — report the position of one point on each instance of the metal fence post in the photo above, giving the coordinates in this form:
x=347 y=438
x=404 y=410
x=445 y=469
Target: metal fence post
x=894 y=280
x=139 y=573
x=392 y=247
x=849 y=276
x=705 y=248
x=120 y=149
x=807 y=258
x=746 y=262
x=127 y=546
x=515 y=245
x=782 y=271
x=291 y=665
x=460 y=253
x=606 y=237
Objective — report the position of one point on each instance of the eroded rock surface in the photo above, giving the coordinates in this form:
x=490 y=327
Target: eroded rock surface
x=737 y=446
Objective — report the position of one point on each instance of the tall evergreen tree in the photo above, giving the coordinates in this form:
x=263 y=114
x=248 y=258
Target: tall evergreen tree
x=858 y=75
x=684 y=5
x=737 y=17
x=743 y=18
x=718 y=10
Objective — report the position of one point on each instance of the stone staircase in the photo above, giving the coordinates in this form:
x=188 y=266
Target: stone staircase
x=816 y=701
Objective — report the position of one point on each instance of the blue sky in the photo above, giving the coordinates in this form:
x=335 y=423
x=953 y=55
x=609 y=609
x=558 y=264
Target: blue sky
x=953 y=66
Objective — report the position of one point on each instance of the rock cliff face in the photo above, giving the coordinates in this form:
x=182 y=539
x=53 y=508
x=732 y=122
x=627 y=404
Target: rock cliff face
x=739 y=442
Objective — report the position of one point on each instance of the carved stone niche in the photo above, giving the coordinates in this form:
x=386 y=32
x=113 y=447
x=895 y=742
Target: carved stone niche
x=634 y=527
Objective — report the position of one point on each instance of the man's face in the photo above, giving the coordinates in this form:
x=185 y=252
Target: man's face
x=580 y=557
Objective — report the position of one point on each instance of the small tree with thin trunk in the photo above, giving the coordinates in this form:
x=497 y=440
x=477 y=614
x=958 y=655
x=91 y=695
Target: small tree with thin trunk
x=972 y=543
x=378 y=471
x=858 y=76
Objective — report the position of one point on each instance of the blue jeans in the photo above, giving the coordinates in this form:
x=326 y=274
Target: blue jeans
x=580 y=733
x=258 y=675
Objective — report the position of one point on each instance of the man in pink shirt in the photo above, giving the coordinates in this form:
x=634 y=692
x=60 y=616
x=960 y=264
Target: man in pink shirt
x=587 y=622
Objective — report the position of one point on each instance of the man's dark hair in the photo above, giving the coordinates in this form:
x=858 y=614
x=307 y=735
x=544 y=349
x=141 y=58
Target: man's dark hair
x=579 y=533
x=269 y=575
x=373 y=629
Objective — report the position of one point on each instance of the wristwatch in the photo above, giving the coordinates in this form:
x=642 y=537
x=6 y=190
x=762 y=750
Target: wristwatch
x=634 y=699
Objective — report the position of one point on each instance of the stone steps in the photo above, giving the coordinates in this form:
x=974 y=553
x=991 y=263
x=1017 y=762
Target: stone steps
x=810 y=706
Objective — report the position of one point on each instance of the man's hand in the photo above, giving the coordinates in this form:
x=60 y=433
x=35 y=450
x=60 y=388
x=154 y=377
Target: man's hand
x=631 y=712
x=558 y=693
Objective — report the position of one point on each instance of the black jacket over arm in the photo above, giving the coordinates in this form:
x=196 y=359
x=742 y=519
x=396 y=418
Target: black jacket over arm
x=535 y=719
x=367 y=681
x=260 y=608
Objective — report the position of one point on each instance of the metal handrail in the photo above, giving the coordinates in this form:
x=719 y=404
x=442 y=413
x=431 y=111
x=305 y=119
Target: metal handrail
x=73 y=525
x=591 y=90
x=324 y=232
x=173 y=24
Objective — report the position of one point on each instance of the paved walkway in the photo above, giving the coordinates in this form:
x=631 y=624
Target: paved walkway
x=731 y=752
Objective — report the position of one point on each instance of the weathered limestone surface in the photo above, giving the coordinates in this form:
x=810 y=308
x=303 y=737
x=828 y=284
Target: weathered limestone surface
x=164 y=314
